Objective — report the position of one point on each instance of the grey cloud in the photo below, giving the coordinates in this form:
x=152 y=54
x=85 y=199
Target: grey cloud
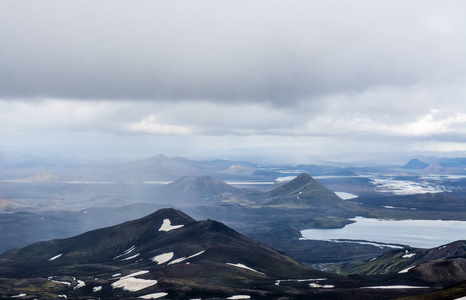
x=271 y=51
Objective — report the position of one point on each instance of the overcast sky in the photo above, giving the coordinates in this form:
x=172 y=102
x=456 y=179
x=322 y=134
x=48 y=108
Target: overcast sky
x=273 y=81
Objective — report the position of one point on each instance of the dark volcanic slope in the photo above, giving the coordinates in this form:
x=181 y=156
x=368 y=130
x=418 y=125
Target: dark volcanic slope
x=169 y=254
x=165 y=252
x=302 y=192
x=442 y=265
x=101 y=244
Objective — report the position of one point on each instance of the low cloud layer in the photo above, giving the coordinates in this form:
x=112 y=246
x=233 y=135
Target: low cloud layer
x=334 y=77
x=226 y=51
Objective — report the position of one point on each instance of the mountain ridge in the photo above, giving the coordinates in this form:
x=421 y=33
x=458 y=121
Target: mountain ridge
x=164 y=252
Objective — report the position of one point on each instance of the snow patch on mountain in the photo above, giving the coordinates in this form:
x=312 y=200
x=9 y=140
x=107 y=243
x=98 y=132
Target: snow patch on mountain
x=135 y=274
x=127 y=251
x=162 y=258
x=132 y=284
x=181 y=259
x=19 y=296
x=406 y=270
x=55 y=257
x=408 y=255
x=167 y=225
x=79 y=285
x=62 y=282
x=131 y=257
x=154 y=295
x=321 y=286
x=244 y=267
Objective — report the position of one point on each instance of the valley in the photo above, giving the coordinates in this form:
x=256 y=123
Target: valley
x=273 y=205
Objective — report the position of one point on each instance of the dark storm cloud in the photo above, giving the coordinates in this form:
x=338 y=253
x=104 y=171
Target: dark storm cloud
x=276 y=51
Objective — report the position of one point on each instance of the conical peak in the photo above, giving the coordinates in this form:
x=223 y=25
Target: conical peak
x=304 y=177
x=170 y=213
x=300 y=181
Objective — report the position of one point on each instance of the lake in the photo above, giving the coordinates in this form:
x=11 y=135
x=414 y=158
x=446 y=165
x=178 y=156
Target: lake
x=416 y=233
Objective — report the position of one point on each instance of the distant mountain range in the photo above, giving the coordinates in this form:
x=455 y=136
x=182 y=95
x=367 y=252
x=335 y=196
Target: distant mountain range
x=301 y=192
x=156 y=168
x=446 y=166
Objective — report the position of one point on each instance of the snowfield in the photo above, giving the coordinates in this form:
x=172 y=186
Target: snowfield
x=131 y=257
x=135 y=274
x=154 y=295
x=405 y=187
x=408 y=255
x=162 y=258
x=55 y=257
x=244 y=267
x=97 y=289
x=127 y=251
x=321 y=286
x=62 y=282
x=406 y=270
x=240 y=297
x=19 y=296
x=181 y=259
x=133 y=284
x=79 y=285
x=167 y=225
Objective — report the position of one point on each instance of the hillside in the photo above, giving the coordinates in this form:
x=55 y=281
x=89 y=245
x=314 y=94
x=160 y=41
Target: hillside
x=169 y=254
x=159 y=253
x=443 y=265
x=302 y=192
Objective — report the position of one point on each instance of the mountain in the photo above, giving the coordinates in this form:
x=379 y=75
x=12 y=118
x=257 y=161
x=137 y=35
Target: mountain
x=165 y=252
x=191 y=188
x=442 y=265
x=302 y=192
x=415 y=164
x=170 y=255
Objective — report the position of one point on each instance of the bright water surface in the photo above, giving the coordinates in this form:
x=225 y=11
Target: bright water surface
x=416 y=233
